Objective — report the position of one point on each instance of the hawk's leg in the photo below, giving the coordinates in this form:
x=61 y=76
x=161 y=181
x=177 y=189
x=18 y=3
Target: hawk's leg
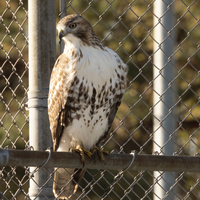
x=82 y=151
x=100 y=152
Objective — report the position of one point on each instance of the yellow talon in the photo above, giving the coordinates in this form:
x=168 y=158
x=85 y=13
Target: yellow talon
x=82 y=151
x=100 y=152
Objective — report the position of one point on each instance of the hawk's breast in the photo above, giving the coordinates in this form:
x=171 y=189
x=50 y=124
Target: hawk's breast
x=98 y=83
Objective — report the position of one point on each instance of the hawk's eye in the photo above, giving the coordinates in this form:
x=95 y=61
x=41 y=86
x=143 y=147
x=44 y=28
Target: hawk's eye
x=72 y=25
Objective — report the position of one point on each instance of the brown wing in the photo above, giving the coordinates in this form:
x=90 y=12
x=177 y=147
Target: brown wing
x=57 y=98
x=113 y=110
x=118 y=91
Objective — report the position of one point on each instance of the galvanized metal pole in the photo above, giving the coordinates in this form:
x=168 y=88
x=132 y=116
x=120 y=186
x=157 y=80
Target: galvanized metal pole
x=42 y=46
x=164 y=122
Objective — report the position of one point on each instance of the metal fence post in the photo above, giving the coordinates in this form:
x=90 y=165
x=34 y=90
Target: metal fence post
x=164 y=122
x=42 y=47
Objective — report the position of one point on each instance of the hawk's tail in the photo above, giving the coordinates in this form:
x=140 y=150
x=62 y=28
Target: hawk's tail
x=66 y=181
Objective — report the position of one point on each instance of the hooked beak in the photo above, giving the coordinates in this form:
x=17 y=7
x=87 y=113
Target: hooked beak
x=60 y=35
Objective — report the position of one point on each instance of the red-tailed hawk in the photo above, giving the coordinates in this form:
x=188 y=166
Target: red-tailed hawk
x=86 y=88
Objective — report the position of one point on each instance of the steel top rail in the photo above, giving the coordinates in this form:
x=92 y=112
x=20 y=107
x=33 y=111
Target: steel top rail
x=113 y=161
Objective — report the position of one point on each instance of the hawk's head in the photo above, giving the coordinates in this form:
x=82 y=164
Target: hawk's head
x=79 y=27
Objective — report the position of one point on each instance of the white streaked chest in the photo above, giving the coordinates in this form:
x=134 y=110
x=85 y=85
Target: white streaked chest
x=97 y=80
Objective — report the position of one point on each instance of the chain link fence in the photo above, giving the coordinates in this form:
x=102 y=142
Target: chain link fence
x=13 y=92
x=129 y=28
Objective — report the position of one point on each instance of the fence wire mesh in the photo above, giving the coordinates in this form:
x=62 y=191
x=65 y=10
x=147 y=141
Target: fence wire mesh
x=126 y=27
x=13 y=91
